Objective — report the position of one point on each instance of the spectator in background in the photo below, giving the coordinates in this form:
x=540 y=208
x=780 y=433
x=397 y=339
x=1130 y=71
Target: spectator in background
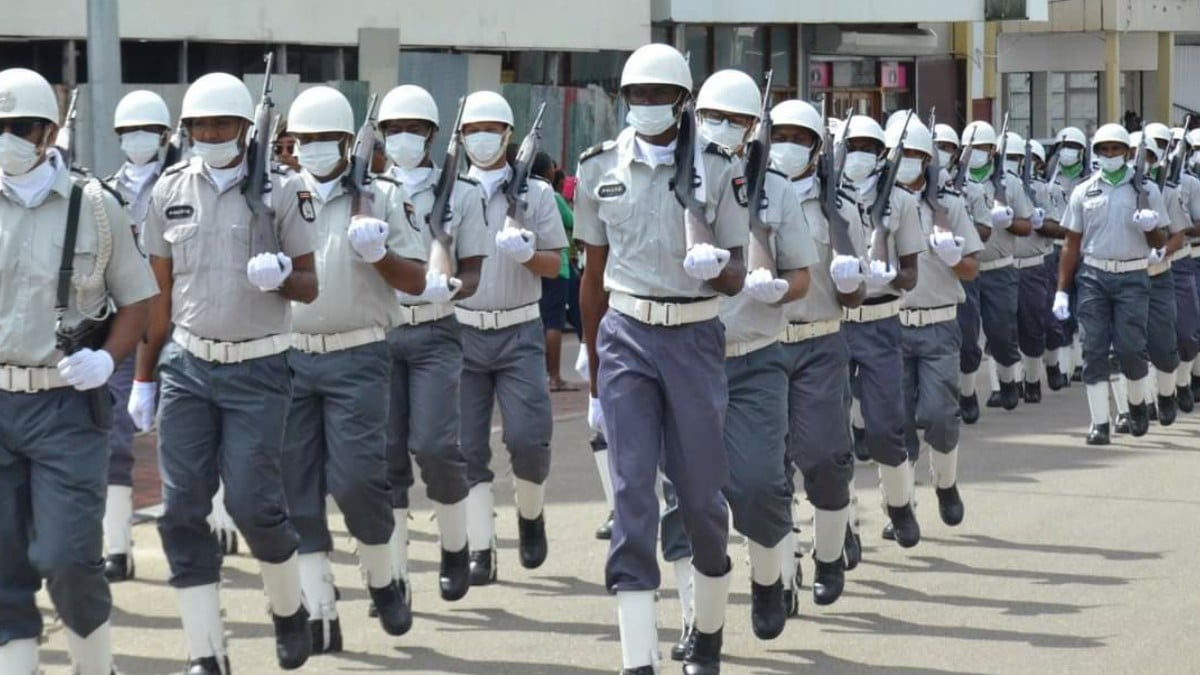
x=285 y=148
x=553 y=304
x=574 y=318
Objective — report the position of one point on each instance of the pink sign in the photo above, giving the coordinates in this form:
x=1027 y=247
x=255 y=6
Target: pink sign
x=820 y=74
x=893 y=75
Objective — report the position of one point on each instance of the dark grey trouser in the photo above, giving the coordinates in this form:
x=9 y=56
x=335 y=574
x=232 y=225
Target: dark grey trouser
x=1031 y=310
x=427 y=366
x=1113 y=310
x=998 y=293
x=675 y=542
x=506 y=367
x=1058 y=334
x=818 y=440
x=53 y=460
x=1162 y=341
x=335 y=444
x=931 y=386
x=222 y=422
x=120 y=440
x=970 y=355
x=1187 y=308
x=876 y=357
x=664 y=395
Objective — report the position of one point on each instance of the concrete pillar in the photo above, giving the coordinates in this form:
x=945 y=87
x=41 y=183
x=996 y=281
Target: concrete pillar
x=991 y=75
x=1110 y=102
x=379 y=58
x=1165 y=78
x=1039 y=105
x=805 y=37
x=483 y=72
x=964 y=49
x=104 y=84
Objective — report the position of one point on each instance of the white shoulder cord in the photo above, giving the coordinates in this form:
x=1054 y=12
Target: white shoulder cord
x=95 y=280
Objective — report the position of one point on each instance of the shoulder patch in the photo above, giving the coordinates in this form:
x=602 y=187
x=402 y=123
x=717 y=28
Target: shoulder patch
x=739 y=190
x=410 y=214
x=308 y=212
x=598 y=149
x=714 y=149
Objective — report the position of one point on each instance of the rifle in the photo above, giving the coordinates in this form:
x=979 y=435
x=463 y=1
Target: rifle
x=518 y=186
x=883 y=195
x=65 y=139
x=689 y=181
x=175 y=145
x=964 y=163
x=998 y=179
x=358 y=179
x=933 y=189
x=829 y=170
x=1027 y=174
x=257 y=186
x=1139 y=172
x=1172 y=172
x=440 y=258
x=758 y=159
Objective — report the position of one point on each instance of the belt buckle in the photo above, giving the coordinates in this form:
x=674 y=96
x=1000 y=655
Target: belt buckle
x=489 y=321
x=21 y=380
x=670 y=314
x=330 y=343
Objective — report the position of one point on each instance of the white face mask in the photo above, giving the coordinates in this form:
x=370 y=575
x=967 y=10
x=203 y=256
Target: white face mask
x=791 y=158
x=1111 y=164
x=944 y=158
x=859 y=165
x=484 y=148
x=651 y=120
x=405 y=149
x=724 y=133
x=216 y=155
x=140 y=146
x=17 y=155
x=909 y=171
x=980 y=158
x=1013 y=166
x=1069 y=156
x=319 y=158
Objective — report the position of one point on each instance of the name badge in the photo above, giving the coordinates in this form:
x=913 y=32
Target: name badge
x=610 y=190
x=180 y=211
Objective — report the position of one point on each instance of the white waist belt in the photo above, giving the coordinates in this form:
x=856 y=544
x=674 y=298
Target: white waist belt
x=799 y=332
x=1031 y=261
x=1117 y=266
x=415 y=315
x=496 y=319
x=735 y=349
x=657 y=313
x=336 y=342
x=869 y=313
x=23 y=380
x=997 y=264
x=1160 y=268
x=232 y=352
x=1196 y=251
x=915 y=318
x=1184 y=252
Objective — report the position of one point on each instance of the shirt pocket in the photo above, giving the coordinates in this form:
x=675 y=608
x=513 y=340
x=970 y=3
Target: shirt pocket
x=184 y=244
x=1095 y=213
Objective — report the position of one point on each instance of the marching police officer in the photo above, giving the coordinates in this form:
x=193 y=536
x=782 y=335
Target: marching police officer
x=337 y=426
x=1183 y=267
x=426 y=342
x=1110 y=230
x=656 y=348
x=504 y=357
x=946 y=144
x=1071 y=167
x=143 y=124
x=224 y=378
x=55 y=413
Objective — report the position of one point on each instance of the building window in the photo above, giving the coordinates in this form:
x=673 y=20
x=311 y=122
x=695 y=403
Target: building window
x=741 y=47
x=783 y=59
x=1020 y=110
x=697 y=46
x=144 y=62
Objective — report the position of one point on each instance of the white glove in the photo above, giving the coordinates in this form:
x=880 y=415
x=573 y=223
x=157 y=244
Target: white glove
x=141 y=404
x=879 y=275
x=368 y=237
x=847 y=273
x=595 y=415
x=581 y=363
x=705 y=261
x=1157 y=255
x=765 y=287
x=516 y=244
x=1062 y=306
x=86 y=369
x=1038 y=219
x=1002 y=217
x=1146 y=219
x=439 y=289
x=947 y=247
x=268 y=271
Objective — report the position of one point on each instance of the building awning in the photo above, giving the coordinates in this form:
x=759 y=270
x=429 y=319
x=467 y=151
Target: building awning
x=876 y=40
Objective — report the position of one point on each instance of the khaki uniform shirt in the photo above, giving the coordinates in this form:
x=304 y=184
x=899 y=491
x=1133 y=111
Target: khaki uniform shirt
x=1001 y=243
x=1103 y=214
x=937 y=283
x=821 y=302
x=902 y=222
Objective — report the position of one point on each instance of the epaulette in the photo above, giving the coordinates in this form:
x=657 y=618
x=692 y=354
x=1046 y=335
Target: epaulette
x=113 y=191
x=471 y=181
x=279 y=170
x=906 y=189
x=176 y=167
x=777 y=172
x=386 y=178
x=714 y=149
x=597 y=149
x=946 y=190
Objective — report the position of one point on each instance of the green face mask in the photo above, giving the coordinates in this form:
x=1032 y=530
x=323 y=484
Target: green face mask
x=978 y=175
x=1114 y=177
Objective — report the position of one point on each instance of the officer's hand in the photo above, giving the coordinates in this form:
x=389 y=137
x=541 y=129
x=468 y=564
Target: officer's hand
x=595 y=415
x=1146 y=219
x=764 y=287
x=1157 y=255
x=86 y=368
x=879 y=275
x=705 y=261
x=1038 y=219
x=947 y=247
x=268 y=271
x=368 y=237
x=581 y=363
x=1002 y=217
x=516 y=244
x=141 y=404
x=439 y=288
x=847 y=273
x=1062 y=306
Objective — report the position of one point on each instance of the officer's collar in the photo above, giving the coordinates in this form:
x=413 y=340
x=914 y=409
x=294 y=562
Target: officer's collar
x=29 y=186
x=493 y=181
x=62 y=177
x=328 y=190
x=630 y=148
x=424 y=184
